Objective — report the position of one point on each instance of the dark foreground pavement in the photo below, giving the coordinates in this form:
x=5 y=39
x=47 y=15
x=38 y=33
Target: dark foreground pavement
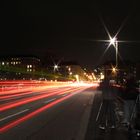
x=93 y=130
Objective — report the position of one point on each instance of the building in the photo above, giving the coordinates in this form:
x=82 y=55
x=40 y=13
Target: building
x=120 y=72
x=73 y=70
x=18 y=67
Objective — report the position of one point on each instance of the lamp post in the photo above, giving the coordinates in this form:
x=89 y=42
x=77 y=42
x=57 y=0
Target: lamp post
x=114 y=42
x=116 y=47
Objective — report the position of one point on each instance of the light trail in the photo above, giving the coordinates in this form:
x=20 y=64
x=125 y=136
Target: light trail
x=14 y=91
x=36 y=112
x=9 y=97
x=32 y=95
x=25 y=101
x=29 y=85
x=15 y=95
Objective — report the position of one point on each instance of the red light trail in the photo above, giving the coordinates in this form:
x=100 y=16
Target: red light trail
x=31 y=91
x=32 y=114
x=31 y=99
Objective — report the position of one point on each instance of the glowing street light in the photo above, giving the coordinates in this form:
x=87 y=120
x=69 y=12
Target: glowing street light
x=55 y=67
x=102 y=76
x=70 y=73
x=114 y=70
x=113 y=41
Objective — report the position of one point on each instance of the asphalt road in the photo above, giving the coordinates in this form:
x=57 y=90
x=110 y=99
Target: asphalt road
x=48 y=114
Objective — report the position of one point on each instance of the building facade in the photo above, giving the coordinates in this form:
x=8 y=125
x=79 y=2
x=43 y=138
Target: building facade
x=18 y=67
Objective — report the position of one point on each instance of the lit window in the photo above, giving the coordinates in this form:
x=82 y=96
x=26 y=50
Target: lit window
x=30 y=66
x=16 y=62
x=30 y=69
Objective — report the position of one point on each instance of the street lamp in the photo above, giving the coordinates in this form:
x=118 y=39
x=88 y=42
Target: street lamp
x=55 y=67
x=113 y=41
x=114 y=70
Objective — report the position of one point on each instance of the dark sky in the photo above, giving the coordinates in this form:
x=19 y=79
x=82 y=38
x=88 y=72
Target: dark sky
x=70 y=29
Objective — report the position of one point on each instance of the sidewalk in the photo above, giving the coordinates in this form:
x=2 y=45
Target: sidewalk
x=93 y=130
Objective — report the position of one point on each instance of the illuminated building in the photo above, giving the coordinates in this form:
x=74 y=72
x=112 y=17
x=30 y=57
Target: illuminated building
x=72 y=69
x=18 y=67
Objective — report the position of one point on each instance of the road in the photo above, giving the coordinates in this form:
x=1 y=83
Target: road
x=58 y=113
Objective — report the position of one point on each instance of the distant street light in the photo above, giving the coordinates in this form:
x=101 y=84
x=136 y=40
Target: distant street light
x=102 y=76
x=55 y=67
x=114 y=69
x=70 y=73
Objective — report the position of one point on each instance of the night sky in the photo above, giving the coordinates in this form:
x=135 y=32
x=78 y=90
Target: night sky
x=70 y=29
